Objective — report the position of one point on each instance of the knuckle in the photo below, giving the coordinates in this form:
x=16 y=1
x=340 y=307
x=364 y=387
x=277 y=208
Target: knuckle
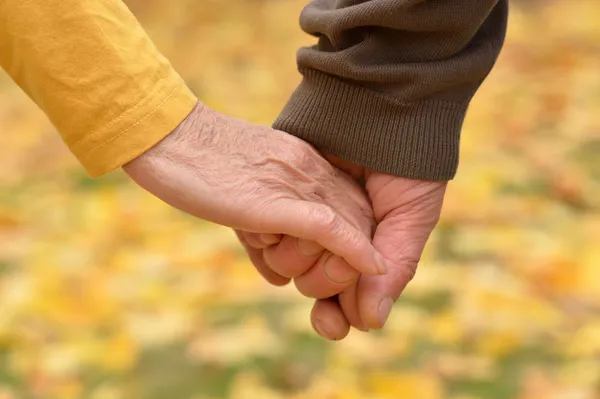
x=303 y=289
x=313 y=191
x=327 y=218
x=339 y=272
x=282 y=262
x=408 y=265
x=410 y=272
x=305 y=158
x=296 y=154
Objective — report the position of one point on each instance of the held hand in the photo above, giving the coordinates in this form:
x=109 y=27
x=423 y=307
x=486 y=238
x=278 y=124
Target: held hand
x=255 y=179
x=406 y=212
x=317 y=273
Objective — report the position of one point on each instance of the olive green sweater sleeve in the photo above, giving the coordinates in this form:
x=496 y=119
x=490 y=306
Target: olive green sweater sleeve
x=388 y=84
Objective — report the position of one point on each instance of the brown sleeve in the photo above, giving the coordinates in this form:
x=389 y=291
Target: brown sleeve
x=388 y=83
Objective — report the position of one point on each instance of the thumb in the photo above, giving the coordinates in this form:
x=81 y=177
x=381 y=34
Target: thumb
x=400 y=237
x=323 y=225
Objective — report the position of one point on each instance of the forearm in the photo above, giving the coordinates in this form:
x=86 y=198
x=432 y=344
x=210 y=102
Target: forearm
x=92 y=69
x=388 y=84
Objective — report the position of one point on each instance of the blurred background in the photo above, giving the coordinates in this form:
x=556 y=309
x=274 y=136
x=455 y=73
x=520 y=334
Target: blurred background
x=106 y=293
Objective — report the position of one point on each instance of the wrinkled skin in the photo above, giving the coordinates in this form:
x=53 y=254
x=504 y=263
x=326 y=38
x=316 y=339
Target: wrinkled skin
x=261 y=181
x=298 y=216
x=406 y=211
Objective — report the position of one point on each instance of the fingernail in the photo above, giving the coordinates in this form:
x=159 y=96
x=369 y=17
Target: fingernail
x=381 y=264
x=338 y=271
x=270 y=239
x=321 y=329
x=309 y=248
x=385 y=307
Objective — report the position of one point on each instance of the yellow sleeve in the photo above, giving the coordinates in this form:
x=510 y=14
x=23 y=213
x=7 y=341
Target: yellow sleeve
x=92 y=69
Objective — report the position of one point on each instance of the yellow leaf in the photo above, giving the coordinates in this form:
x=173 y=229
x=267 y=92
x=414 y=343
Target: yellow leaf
x=445 y=328
x=498 y=343
x=404 y=385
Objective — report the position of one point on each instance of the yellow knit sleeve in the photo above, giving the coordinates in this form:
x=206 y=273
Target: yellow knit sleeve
x=92 y=69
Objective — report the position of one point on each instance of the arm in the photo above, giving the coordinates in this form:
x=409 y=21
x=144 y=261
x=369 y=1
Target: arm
x=117 y=102
x=388 y=83
x=386 y=89
x=92 y=69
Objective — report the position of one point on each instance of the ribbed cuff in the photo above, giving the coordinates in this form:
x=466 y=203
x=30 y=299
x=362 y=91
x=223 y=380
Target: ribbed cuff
x=417 y=140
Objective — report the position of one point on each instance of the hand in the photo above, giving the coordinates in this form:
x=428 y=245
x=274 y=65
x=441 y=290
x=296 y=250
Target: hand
x=317 y=273
x=406 y=212
x=255 y=179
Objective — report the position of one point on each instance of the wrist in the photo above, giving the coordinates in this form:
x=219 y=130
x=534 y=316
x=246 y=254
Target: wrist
x=175 y=138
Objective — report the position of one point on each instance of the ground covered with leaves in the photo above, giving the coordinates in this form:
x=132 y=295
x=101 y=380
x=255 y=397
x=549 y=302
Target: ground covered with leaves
x=106 y=293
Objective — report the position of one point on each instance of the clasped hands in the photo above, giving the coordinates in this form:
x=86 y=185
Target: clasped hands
x=347 y=236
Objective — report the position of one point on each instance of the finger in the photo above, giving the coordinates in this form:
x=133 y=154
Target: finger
x=402 y=246
x=328 y=320
x=320 y=223
x=348 y=300
x=260 y=240
x=292 y=257
x=328 y=277
x=256 y=258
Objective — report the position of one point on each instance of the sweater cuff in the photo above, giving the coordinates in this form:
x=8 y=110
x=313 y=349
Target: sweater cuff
x=418 y=140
